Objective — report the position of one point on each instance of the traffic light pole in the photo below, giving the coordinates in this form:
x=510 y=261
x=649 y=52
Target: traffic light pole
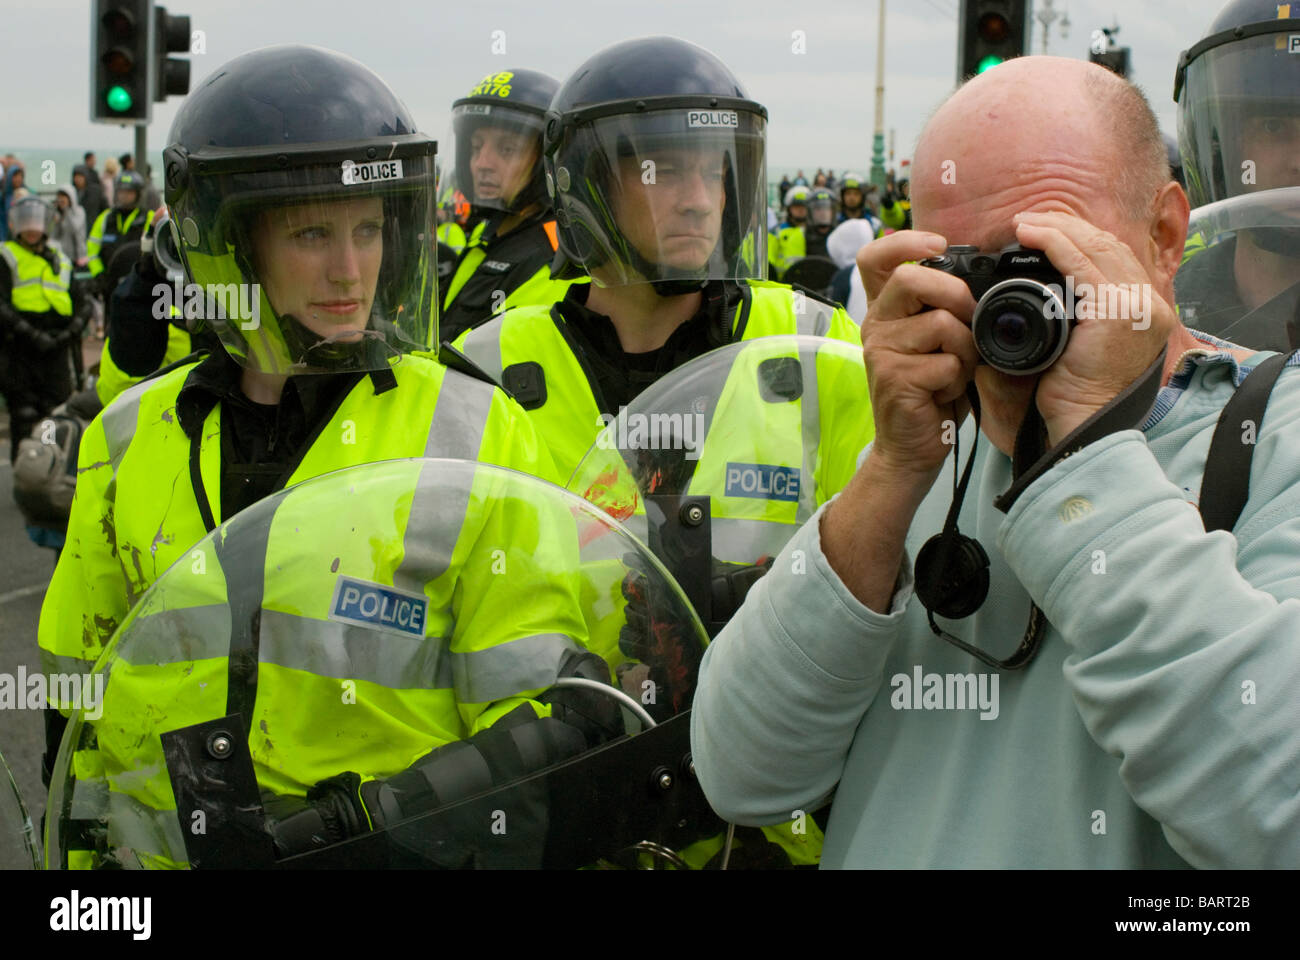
x=141 y=149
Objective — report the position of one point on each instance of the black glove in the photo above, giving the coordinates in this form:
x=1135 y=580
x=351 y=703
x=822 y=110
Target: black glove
x=731 y=584
x=331 y=812
x=656 y=634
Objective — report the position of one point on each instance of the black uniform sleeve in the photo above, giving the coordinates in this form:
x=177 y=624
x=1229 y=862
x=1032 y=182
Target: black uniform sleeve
x=138 y=339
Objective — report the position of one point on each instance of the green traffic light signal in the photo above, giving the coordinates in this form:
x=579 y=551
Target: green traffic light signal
x=119 y=99
x=988 y=63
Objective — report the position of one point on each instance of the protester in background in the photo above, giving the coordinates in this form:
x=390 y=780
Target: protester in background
x=842 y=246
x=800 y=180
x=152 y=196
x=107 y=181
x=127 y=161
x=14 y=176
x=69 y=229
x=90 y=193
x=785 y=185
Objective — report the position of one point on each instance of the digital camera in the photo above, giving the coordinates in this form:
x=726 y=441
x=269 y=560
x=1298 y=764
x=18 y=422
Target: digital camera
x=1020 y=323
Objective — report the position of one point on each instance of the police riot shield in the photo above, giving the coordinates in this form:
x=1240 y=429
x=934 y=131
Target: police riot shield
x=720 y=461
x=19 y=849
x=385 y=666
x=1240 y=277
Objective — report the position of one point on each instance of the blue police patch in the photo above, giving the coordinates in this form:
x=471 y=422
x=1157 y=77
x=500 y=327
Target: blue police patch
x=763 y=481
x=384 y=608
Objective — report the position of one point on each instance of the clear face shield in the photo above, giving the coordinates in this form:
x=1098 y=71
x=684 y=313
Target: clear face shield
x=667 y=195
x=1239 y=118
x=1240 y=279
x=452 y=588
x=821 y=211
x=323 y=266
x=30 y=214
x=496 y=152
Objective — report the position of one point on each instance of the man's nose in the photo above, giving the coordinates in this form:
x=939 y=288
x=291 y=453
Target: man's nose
x=694 y=194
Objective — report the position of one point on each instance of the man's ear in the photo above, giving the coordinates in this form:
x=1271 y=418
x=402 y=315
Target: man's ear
x=1167 y=232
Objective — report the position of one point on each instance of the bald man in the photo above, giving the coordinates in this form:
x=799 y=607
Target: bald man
x=1150 y=721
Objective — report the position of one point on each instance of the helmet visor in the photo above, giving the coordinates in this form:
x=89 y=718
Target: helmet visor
x=30 y=213
x=496 y=153
x=319 y=266
x=1239 y=119
x=671 y=194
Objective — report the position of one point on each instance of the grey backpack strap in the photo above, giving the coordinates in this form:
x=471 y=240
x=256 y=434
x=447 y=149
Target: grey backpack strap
x=1226 y=484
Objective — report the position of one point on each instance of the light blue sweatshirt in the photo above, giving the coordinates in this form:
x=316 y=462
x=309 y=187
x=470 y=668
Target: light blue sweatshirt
x=1159 y=725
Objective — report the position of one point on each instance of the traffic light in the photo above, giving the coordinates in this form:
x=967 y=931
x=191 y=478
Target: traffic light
x=172 y=35
x=122 y=48
x=992 y=31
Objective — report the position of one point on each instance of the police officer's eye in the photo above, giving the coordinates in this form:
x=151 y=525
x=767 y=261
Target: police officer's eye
x=310 y=234
x=369 y=230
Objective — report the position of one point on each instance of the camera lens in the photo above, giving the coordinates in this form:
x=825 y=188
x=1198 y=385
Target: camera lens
x=1020 y=327
x=1010 y=331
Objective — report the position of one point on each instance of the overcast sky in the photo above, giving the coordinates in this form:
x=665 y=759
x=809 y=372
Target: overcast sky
x=820 y=102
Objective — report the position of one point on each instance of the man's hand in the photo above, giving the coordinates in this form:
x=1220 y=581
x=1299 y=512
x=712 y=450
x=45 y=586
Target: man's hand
x=919 y=352
x=1105 y=354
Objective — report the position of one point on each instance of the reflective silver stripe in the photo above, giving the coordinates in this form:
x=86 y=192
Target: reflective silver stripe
x=8 y=256
x=53 y=663
x=326 y=648
x=437 y=515
x=89 y=799
x=505 y=670
x=814 y=319
x=143 y=829
x=740 y=540
x=29 y=282
x=119 y=421
x=809 y=435
x=483 y=346
x=178 y=635
x=459 y=418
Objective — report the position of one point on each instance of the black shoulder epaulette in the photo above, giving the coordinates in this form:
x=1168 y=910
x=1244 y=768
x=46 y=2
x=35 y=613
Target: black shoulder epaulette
x=814 y=295
x=449 y=356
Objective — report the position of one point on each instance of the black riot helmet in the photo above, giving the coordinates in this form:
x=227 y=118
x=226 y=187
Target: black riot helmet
x=1238 y=94
x=654 y=159
x=495 y=129
x=303 y=202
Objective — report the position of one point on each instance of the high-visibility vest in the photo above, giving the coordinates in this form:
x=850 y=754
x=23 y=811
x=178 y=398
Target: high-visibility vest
x=569 y=418
x=337 y=694
x=785 y=247
x=135 y=511
x=504 y=285
x=37 y=286
x=113 y=379
x=102 y=236
x=452 y=235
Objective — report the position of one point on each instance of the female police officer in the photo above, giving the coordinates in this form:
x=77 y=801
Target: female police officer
x=303 y=199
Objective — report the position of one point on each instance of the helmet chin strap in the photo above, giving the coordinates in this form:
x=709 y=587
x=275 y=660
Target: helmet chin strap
x=312 y=348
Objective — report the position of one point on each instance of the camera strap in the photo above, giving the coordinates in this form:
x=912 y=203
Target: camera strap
x=1127 y=411
x=1225 y=485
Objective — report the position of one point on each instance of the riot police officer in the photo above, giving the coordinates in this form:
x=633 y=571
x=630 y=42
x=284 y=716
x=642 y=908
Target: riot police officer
x=303 y=201
x=41 y=310
x=659 y=193
x=117 y=227
x=496 y=147
x=1239 y=132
